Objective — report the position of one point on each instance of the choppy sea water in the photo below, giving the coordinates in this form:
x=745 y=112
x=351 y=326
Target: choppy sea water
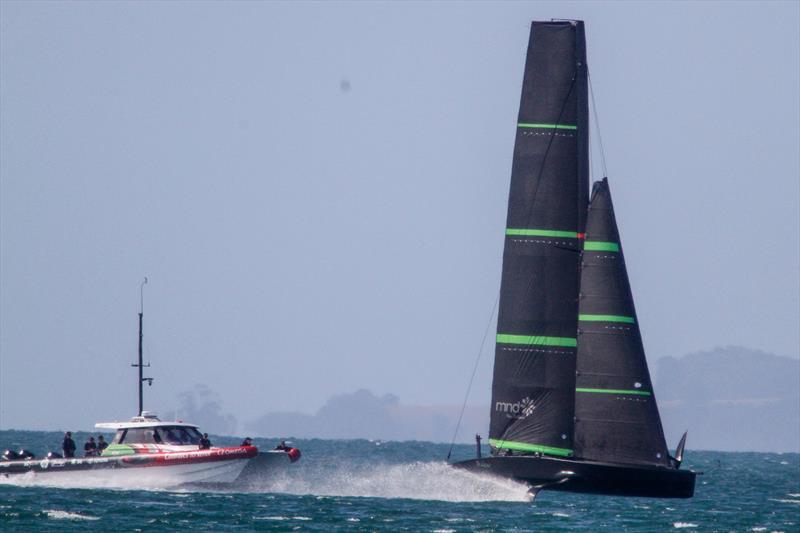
x=362 y=485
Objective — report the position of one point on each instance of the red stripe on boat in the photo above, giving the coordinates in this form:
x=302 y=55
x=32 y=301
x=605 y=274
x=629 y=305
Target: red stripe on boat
x=196 y=456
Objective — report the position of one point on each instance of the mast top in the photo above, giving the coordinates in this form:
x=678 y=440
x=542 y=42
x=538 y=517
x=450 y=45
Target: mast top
x=141 y=295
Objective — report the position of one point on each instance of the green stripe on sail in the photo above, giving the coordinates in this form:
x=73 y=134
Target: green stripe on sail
x=525 y=447
x=537 y=340
x=542 y=233
x=598 y=246
x=547 y=126
x=607 y=318
x=615 y=391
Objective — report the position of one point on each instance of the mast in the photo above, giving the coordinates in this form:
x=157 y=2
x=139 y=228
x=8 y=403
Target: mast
x=140 y=364
x=533 y=389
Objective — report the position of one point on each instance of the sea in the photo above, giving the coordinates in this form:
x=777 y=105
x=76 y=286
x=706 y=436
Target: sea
x=365 y=485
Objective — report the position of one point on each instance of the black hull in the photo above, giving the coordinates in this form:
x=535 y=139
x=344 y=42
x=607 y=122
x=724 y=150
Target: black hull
x=569 y=475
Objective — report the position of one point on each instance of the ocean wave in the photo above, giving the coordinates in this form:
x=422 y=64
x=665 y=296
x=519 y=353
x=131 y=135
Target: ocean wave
x=56 y=514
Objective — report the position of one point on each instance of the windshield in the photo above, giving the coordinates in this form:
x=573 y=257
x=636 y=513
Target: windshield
x=180 y=435
x=175 y=435
x=138 y=436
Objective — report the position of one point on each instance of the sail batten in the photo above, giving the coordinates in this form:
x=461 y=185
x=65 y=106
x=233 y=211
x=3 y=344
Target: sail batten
x=599 y=246
x=503 y=338
x=539 y=125
x=536 y=232
x=614 y=391
x=527 y=447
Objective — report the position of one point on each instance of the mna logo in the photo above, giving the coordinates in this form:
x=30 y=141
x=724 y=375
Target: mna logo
x=520 y=409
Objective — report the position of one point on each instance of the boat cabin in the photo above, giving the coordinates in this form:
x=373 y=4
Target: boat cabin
x=149 y=430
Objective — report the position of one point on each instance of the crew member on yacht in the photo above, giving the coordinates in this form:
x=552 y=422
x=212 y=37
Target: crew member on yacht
x=247 y=442
x=101 y=444
x=68 y=446
x=282 y=446
x=204 y=442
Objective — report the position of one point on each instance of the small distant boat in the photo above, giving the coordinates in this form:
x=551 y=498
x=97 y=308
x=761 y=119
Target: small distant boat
x=150 y=450
x=573 y=406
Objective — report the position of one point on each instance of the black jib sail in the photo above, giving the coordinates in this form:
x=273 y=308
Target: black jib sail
x=616 y=418
x=533 y=391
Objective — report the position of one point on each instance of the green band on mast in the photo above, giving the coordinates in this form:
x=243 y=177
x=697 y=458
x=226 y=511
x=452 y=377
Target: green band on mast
x=607 y=318
x=525 y=447
x=542 y=233
x=598 y=246
x=615 y=391
x=547 y=126
x=528 y=340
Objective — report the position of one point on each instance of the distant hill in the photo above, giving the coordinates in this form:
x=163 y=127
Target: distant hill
x=365 y=415
x=731 y=399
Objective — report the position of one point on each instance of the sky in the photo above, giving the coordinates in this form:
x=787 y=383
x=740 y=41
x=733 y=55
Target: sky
x=317 y=192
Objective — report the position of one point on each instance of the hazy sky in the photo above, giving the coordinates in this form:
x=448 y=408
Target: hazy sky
x=317 y=192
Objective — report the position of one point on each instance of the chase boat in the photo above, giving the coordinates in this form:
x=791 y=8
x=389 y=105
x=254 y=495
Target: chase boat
x=145 y=449
x=148 y=451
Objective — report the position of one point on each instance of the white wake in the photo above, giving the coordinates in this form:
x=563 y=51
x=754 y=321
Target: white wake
x=416 y=480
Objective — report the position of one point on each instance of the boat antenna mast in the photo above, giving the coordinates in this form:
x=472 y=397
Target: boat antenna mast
x=140 y=364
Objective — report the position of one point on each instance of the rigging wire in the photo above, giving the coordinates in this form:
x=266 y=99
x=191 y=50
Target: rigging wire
x=597 y=124
x=472 y=377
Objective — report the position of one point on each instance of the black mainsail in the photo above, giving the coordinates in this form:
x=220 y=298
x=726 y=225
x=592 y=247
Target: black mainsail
x=533 y=392
x=573 y=407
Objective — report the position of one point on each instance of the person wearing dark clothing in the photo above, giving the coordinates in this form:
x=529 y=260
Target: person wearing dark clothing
x=282 y=446
x=90 y=448
x=101 y=445
x=68 y=446
x=247 y=442
x=204 y=442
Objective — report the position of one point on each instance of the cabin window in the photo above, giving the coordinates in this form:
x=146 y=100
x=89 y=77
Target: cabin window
x=140 y=436
x=180 y=435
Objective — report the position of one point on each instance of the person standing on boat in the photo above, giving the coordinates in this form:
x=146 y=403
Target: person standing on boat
x=282 y=446
x=205 y=443
x=90 y=448
x=247 y=442
x=68 y=446
x=101 y=444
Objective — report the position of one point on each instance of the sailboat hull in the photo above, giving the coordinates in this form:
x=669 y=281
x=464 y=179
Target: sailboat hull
x=568 y=475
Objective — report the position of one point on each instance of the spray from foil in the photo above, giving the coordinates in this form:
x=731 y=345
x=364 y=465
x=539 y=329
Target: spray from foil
x=415 y=480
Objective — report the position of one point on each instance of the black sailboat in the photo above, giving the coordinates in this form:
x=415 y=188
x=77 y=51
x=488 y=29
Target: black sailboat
x=573 y=408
